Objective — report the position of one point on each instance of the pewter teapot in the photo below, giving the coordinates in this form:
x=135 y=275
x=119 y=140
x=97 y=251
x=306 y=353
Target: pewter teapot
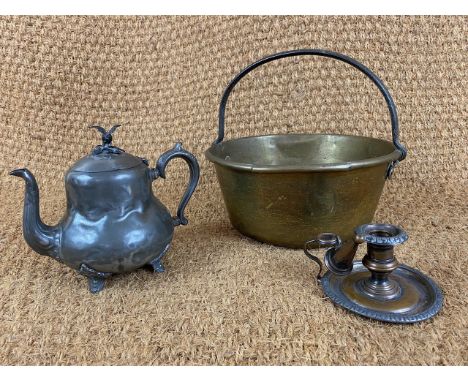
x=113 y=222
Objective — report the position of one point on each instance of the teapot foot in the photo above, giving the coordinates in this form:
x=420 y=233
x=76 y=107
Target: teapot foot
x=96 y=285
x=96 y=279
x=157 y=265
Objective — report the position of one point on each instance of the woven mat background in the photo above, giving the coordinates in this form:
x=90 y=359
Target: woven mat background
x=226 y=299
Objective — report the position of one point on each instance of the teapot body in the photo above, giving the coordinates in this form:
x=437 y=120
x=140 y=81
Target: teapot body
x=113 y=222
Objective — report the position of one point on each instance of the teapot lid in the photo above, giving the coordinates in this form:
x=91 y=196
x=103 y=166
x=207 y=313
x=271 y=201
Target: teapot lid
x=107 y=157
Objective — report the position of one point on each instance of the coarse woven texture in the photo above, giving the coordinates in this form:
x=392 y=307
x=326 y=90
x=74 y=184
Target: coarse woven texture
x=226 y=299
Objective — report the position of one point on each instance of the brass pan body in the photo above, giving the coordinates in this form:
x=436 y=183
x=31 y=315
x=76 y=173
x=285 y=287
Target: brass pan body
x=284 y=189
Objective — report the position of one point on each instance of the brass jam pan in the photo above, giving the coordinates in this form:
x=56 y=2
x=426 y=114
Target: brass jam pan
x=283 y=189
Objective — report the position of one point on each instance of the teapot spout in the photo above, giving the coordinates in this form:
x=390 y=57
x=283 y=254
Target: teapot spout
x=42 y=238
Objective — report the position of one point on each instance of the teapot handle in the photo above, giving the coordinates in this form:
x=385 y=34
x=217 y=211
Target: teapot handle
x=160 y=171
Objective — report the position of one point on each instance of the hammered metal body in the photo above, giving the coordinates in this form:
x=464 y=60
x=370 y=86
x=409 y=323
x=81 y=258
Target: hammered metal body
x=297 y=186
x=124 y=229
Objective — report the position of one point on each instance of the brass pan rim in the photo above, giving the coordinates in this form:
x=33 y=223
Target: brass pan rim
x=213 y=156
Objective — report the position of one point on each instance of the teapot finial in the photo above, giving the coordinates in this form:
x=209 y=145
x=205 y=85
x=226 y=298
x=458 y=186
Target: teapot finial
x=106 y=140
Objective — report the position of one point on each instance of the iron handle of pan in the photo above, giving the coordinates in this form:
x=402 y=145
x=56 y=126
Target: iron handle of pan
x=160 y=171
x=324 y=53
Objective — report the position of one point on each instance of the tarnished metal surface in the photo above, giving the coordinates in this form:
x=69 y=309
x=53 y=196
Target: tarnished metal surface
x=378 y=287
x=285 y=189
x=113 y=222
x=409 y=309
x=286 y=203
